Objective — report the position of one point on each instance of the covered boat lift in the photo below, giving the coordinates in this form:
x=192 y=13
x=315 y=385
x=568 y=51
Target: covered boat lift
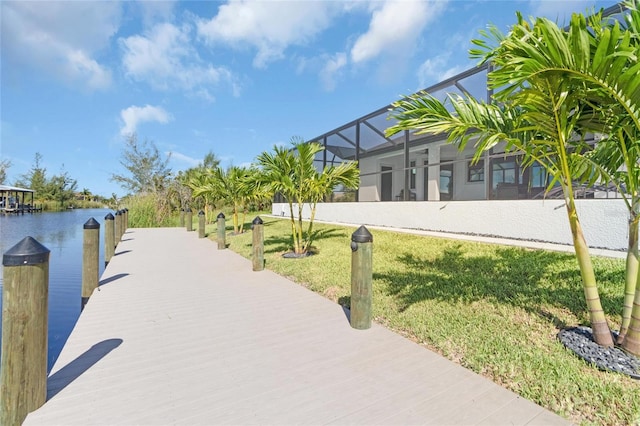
x=13 y=200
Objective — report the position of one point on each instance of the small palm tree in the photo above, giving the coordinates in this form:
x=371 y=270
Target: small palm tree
x=229 y=186
x=293 y=174
x=538 y=114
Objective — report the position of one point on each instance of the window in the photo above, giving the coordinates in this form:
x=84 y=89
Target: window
x=475 y=172
x=539 y=176
x=503 y=172
x=412 y=176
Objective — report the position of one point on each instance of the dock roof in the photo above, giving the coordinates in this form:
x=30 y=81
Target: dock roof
x=7 y=188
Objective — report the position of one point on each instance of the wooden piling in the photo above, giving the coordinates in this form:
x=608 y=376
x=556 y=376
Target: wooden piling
x=222 y=243
x=189 y=220
x=25 y=295
x=90 y=258
x=109 y=238
x=257 y=227
x=201 y=224
x=118 y=226
x=182 y=218
x=361 y=278
x=122 y=224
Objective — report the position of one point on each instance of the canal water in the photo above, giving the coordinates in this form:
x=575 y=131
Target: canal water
x=62 y=233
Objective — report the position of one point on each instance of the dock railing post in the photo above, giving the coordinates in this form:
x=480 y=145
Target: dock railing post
x=126 y=220
x=189 y=221
x=109 y=237
x=222 y=243
x=25 y=295
x=90 y=258
x=122 y=223
x=201 y=224
x=181 y=218
x=257 y=229
x=118 y=225
x=361 y=278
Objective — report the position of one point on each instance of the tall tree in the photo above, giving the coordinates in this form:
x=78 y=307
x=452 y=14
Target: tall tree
x=62 y=187
x=147 y=171
x=292 y=173
x=35 y=178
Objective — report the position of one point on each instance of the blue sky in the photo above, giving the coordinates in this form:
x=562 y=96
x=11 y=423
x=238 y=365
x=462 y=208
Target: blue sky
x=234 y=77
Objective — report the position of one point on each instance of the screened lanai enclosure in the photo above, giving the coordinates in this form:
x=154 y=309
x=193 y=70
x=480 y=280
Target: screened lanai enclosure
x=413 y=167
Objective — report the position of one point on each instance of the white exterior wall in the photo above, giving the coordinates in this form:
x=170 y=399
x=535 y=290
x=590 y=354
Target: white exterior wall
x=463 y=190
x=604 y=221
x=369 y=184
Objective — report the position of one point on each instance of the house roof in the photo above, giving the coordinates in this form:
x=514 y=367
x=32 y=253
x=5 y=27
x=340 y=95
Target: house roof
x=7 y=188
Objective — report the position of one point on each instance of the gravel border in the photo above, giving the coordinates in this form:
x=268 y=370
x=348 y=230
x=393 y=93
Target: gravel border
x=580 y=341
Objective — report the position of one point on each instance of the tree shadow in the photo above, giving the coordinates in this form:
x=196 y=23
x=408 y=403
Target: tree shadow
x=67 y=374
x=526 y=279
x=279 y=244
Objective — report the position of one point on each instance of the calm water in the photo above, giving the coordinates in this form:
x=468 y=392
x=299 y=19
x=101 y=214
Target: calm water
x=62 y=233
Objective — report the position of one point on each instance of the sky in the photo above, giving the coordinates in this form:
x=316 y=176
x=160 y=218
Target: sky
x=230 y=77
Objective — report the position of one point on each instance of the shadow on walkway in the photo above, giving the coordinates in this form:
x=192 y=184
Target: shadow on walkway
x=67 y=374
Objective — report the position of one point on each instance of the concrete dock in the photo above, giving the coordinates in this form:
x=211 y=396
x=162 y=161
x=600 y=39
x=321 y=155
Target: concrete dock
x=180 y=332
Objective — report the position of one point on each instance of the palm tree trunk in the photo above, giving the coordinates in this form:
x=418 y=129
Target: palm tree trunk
x=599 y=325
x=244 y=217
x=235 y=218
x=299 y=249
x=307 y=243
x=631 y=278
x=631 y=341
x=293 y=226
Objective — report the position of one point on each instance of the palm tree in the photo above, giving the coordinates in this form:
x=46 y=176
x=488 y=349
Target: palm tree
x=599 y=56
x=229 y=186
x=539 y=113
x=292 y=173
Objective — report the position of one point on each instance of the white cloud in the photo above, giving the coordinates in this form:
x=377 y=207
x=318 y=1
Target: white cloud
x=184 y=159
x=156 y=11
x=165 y=58
x=270 y=27
x=59 y=38
x=435 y=70
x=134 y=115
x=332 y=70
x=395 y=25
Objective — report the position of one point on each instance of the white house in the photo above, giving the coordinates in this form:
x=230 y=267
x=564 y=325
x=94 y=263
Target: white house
x=441 y=189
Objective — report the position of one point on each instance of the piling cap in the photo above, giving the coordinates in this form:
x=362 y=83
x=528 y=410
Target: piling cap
x=200 y=213
x=109 y=216
x=126 y=209
x=362 y=235
x=118 y=213
x=257 y=221
x=188 y=210
x=221 y=215
x=26 y=252
x=91 y=224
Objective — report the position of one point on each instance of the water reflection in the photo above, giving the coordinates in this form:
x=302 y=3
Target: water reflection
x=62 y=234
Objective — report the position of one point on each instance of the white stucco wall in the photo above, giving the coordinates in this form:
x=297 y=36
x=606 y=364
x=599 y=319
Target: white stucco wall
x=604 y=221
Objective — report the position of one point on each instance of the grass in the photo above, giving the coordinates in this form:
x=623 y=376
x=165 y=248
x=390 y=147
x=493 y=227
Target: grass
x=494 y=309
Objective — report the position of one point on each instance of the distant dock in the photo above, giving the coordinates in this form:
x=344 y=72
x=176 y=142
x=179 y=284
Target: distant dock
x=13 y=200
x=180 y=332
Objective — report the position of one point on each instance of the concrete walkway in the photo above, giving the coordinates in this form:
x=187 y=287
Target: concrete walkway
x=491 y=240
x=183 y=333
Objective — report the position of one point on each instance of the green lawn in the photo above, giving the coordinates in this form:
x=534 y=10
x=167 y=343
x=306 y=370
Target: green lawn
x=494 y=309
